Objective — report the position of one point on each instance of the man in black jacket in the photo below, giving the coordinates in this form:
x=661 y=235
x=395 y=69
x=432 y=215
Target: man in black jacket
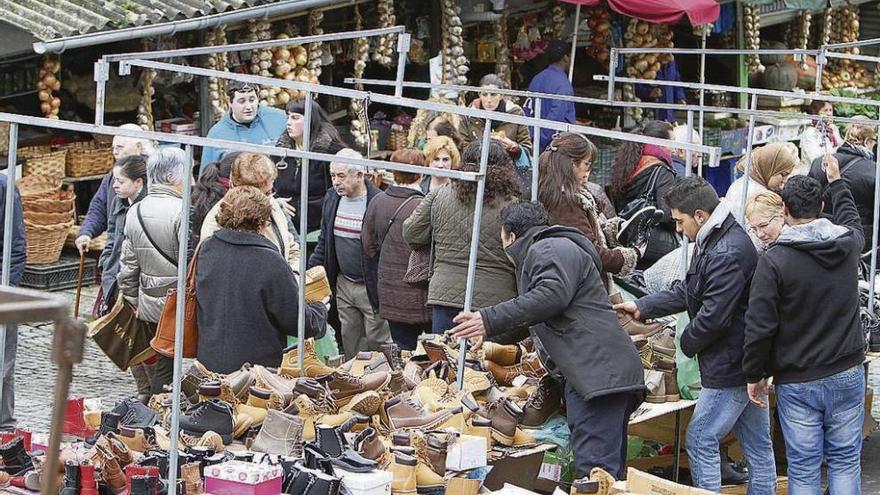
x=353 y=276
x=715 y=294
x=564 y=303
x=803 y=329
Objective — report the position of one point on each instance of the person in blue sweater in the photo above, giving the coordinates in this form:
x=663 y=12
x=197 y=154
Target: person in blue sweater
x=16 y=270
x=247 y=121
x=664 y=94
x=554 y=80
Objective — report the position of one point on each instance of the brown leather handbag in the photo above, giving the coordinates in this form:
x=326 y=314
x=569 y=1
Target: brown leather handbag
x=163 y=342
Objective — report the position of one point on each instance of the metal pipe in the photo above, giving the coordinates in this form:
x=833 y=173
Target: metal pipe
x=821 y=60
x=232 y=145
x=254 y=45
x=303 y=234
x=687 y=173
x=475 y=243
x=102 y=75
x=574 y=42
x=412 y=103
x=702 y=81
x=873 y=277
x=59 y=45
x=748 y=167
x=612 y=71
x=182 y=248
x=715 y=51
x=853 y=56
x=604 y=102
x=9 y=213
x=402 y=50
x=837 y=46
x=536 y=151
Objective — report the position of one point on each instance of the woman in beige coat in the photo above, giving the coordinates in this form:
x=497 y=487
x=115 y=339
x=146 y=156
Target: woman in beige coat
x=254 y=169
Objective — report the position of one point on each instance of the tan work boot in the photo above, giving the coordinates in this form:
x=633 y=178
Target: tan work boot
x=504 y=355
x=480 y=427
x=584 y=486
x=366 y=403
x=631 y=325
x=366 y=362
x=312 y=364
x=604 y=479
x=656 y=383
x=530 y=366
x=276 y=384
x=404 y=412
x=427 y=478
x=403 y=468
x=343 y=387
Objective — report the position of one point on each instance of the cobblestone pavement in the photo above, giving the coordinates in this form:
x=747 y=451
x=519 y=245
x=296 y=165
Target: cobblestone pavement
x=97 y=376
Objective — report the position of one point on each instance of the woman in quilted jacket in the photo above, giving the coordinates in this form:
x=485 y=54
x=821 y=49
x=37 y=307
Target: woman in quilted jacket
x=444 y=219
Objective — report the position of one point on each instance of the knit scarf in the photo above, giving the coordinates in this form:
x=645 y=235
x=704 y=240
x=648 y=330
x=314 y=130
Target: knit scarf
x=651 y=154
x=598 y=223
x=825 y=129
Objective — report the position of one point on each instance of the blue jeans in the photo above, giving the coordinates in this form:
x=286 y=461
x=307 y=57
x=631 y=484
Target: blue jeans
x=823 y=418
x=718 y=412
x=441 y=318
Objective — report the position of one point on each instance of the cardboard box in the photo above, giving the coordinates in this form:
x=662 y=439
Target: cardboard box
x=181 y=127
x=374 y=483
x=463 y=486
x=641 y=483
x=243 y=478
x=467 y=452
x=517 y=467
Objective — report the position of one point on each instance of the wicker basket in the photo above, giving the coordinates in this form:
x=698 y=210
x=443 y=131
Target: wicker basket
x=44 y=242
x=397 y=140
x=41 y=218
x=50 y=163
x=38 y=186
x=56 y=202
x=86 y=159
x=4 y=137
x=97 y=244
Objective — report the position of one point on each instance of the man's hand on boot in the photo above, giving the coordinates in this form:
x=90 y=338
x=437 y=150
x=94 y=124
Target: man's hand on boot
x=629 y=307
x=470 y=324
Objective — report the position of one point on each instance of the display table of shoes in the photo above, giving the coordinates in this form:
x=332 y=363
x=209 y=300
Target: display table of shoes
x=382 y=419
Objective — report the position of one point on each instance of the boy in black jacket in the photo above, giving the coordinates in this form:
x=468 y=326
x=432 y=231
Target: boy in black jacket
x=803 y=329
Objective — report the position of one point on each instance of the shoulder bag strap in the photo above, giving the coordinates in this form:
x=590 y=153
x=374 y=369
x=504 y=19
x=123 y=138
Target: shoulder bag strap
x=150 y=238
x=652 y=183
x=191 y=271
x=394 y=217
x=277 y=232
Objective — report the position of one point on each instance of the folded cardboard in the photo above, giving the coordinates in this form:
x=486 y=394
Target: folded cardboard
x=641 y=483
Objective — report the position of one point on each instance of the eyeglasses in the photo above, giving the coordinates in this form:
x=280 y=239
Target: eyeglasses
x=762 y=226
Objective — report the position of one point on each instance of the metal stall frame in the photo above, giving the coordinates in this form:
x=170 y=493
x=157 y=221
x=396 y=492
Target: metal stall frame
x=102 y=66
x=754 y=93
x=190 y=141
x=825 y=54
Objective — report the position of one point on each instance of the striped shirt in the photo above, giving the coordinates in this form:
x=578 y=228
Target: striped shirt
x=347 y=236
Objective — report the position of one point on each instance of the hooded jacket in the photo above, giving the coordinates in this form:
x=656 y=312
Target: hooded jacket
x=857 y=167
x=110 y=256
x=268 y=124
x=515 y=132
x=563 y=300
x=803 y=319
x=715 y=294
x=145 y=275
x=238 y=326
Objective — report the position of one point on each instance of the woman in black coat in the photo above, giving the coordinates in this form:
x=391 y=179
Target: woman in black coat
x=324 y=139
x=247 y=295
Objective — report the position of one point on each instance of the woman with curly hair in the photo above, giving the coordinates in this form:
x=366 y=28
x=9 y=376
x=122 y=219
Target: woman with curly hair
x=444 y=220
x=565 y=168
x=645 y=171
x=252 y=326
x=440 y=152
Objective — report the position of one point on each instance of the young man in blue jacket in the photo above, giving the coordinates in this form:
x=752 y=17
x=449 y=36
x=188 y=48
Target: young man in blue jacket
x=715 y=294
x=247 y=121
x=16 y=270
x=554 y=80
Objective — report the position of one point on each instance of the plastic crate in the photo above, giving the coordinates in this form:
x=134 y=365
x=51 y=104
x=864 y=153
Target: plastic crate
x=712 y=137
x=602 y=168
x=733 y=141
x=59 y=275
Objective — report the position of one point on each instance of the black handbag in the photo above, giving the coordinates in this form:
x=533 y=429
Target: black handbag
x=645 y=200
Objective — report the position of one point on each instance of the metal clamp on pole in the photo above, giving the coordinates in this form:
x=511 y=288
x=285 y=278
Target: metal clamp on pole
x=536 y=150
x=102 y=75
x=749 y=144
x=8 y=211
x=403 y=42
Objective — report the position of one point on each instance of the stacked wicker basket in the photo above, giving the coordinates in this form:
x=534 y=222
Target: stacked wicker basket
x=48 y=216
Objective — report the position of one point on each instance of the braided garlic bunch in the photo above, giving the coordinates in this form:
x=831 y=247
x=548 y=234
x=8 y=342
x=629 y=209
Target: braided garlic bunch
x=752 y=21
x=455 y=64
x=316 y=50
x=384 y=53
x=356 y=107
x=217 y=61
x=502 y=51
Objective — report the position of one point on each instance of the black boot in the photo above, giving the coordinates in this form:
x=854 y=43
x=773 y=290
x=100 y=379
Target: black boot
x=144 y=485
x=109 y=423
x=16 y=460
x=210 y=415
x=324 y=484
x=729 y=474
x=71 y=479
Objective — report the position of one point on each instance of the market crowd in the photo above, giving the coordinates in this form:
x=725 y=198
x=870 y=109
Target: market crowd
x=771 y=291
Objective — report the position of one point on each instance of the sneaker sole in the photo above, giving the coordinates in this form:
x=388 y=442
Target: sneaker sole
x=506 y=440
x=365 y=403
x=651 y=399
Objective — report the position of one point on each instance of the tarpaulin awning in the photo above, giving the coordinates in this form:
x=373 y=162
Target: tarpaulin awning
x=662 y=11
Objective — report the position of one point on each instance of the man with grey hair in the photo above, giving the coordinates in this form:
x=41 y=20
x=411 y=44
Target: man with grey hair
x=95 y=222
x=353 y=275
x=679 y=156
x=148 y=267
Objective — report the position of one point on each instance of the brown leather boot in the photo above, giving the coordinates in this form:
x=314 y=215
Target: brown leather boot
x=369 y=445
x=479 y=426
x=366 y=362
x=192 y=478
x=428 y=477
x=504 y=355
x=530 y=366
x=670 y=381
x=543 y=403
x=656 y=383
x=239 y=382
x=584 y=486
x=344 y=386
x=312 y=364
x=436 y=452
x=404 y=412
x=663 y=344
x=504 y=415
x=630 y=325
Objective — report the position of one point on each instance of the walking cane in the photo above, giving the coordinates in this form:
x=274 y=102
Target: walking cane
x=79 y=284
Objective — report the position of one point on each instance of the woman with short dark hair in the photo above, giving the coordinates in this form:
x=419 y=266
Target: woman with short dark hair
x=252 y=326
